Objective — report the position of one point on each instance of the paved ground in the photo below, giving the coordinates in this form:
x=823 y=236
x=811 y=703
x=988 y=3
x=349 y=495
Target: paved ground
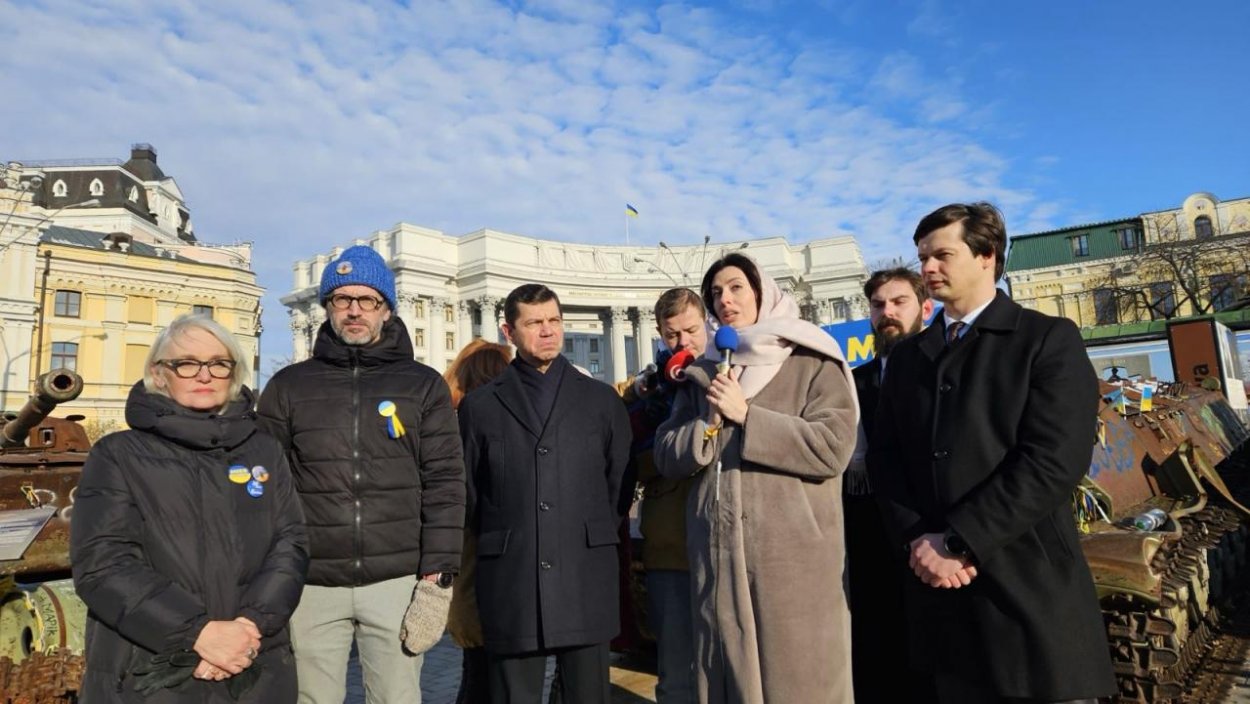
x=633 y=679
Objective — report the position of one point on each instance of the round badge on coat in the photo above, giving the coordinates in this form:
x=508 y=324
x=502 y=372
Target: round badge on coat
x=240 y=474
x=255 y=488
x=260 y=474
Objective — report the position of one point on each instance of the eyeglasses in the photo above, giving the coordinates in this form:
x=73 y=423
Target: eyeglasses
x=190 y=368
x=368 y=304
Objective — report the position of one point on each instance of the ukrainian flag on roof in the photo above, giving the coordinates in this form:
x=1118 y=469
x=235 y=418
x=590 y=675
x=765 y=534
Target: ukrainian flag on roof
x=631 y=210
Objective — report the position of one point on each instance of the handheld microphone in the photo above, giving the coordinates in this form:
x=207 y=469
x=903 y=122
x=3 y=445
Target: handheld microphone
x=726 y=343
x=675 y=368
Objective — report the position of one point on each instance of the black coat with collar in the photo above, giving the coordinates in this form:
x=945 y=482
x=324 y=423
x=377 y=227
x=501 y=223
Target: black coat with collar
x=989 y=437
x=546 y=502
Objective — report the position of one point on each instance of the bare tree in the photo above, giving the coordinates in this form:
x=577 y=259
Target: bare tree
x=895 y=262
x=1172 y=272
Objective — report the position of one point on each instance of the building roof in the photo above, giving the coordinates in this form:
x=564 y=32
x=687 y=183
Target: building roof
x=88 y=239
x=1054 y=247
x=1156 y=329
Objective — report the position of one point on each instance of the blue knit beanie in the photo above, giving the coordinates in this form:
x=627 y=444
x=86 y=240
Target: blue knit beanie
x=359 y=265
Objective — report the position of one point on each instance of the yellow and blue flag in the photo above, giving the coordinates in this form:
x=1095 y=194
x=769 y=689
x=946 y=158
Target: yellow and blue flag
x=631 y=210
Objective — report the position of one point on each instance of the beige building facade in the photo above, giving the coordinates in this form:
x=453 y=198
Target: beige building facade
x=97 y=257
x=1192 y=259
x=451 y=289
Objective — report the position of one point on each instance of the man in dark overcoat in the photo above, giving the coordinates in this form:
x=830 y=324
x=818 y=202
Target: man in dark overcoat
x=898 y=306
x=985 y=426
x=546 y=452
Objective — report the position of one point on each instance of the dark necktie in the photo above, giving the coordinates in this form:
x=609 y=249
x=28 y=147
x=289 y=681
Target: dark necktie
x=953 y=330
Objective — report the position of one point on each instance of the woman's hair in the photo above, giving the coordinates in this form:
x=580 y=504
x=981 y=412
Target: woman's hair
x=181 y=326
x=748 y=268
x=479 y=362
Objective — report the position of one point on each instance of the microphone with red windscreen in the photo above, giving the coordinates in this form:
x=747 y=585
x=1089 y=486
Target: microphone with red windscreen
x=675 y=367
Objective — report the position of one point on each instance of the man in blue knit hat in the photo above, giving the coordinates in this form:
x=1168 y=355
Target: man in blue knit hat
x=375 y=450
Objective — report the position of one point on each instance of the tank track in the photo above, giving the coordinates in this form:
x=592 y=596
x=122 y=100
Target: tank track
x=41 y=679
x=1160 y=651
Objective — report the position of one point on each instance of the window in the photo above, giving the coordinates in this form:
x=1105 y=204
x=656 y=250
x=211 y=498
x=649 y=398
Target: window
x=1202 y=228
x=418 y=338
x=477 y=316
x=1080 y=245
x=1130 y=237
x=134 y=194
x=1105 y=312
x=451 y=342
x=418 y=309
x=65 y=355
x=1162 y=300
x=96 y=187
x=568 y=345
x=59 y=189
x=202 y=310
x=594 y=366
x=1225 y=290
x=449 y=314
x=68 y=304
x=594 y=345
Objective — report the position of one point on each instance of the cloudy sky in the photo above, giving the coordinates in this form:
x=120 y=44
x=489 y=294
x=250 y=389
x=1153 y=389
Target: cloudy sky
x=300 y=126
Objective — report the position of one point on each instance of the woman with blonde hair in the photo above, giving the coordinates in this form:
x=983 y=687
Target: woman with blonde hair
x=479 y=362
x=188 y=542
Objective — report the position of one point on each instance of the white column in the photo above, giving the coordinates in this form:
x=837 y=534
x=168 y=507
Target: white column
x=492 y=314
x=619 y=319
x=300 y=349
x=464 y=323
x=644 y=331
x=438 y=338
x=316 y=316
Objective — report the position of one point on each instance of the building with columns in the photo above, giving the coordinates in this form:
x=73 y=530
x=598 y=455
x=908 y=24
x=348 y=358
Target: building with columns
x=451 y=289
x=97 y=256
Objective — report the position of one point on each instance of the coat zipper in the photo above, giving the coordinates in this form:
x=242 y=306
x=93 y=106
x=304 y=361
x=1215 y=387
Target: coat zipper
x=357 y=532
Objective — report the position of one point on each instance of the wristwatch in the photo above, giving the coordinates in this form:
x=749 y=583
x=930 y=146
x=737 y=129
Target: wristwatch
x=955 y=545
x=445 y=579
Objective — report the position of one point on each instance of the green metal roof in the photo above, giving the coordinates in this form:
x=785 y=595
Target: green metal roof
x=1153 y=329
x=1054 y=248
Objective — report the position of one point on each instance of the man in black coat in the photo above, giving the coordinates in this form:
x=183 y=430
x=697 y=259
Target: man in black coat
x=373 y=445
x=546 y=449
x=898 y=307
x=985 y=426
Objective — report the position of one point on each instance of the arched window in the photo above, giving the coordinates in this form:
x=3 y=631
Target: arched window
x=97 y=187
x=1202 y=227
x=59 y=189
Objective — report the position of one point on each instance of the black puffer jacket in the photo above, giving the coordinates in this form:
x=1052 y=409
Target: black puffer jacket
x=163 y=542
x=377 y=508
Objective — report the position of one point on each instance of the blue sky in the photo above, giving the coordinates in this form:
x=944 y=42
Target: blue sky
x=302 y=126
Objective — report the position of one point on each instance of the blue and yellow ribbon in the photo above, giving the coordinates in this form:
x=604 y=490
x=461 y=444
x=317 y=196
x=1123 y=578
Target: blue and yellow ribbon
x=394 y=427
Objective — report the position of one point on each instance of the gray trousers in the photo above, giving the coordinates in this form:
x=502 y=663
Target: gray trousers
x=322 y=629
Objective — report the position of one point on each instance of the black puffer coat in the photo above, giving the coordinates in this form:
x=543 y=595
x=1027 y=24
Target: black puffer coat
x=377 y=508
x=163 y=542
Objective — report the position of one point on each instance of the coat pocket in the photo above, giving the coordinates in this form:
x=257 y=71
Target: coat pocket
x=601 y=532
x=493 y=544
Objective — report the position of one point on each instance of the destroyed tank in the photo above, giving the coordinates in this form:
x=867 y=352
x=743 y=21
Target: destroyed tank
x=1164 y=522
x=42 y=621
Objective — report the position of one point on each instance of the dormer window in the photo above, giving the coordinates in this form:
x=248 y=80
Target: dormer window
x=59 y=189
x=96 y=188
x=1202 y=227
x=134 y=194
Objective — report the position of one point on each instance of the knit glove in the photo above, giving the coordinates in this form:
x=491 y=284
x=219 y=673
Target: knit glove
x=426 y=617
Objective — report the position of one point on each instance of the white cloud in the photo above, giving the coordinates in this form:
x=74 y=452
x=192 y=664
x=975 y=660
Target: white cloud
x=304 y=126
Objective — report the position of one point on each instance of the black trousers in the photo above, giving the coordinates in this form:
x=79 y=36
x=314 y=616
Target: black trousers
x=518 y=679
x=957 y=690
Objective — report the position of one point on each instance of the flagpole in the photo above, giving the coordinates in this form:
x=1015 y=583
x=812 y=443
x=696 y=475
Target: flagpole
x=627 y=229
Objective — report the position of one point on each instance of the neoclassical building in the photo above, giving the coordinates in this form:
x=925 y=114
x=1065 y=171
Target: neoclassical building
x=451 y=289
x=97 y=256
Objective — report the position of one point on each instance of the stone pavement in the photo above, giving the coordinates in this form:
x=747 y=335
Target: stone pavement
x=633 y=678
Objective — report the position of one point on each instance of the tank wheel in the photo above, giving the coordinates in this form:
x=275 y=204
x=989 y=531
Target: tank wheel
x=42 y=629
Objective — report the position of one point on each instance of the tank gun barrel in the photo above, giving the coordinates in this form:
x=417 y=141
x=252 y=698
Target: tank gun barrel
x=55 y=387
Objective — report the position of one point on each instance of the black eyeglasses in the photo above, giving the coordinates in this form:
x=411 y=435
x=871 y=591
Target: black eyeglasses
x=190 y=368
x=368 y=304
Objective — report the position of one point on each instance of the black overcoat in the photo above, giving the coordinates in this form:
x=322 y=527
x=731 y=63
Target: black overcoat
x=545 y=502
x=989 y=437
